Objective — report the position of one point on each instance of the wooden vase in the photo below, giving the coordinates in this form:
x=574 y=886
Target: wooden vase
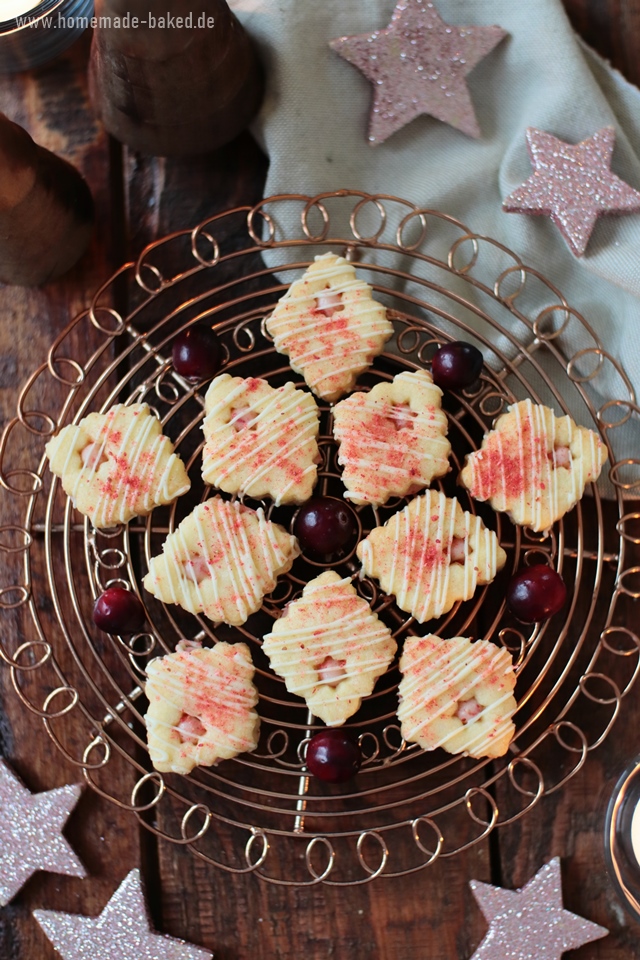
x=46 y=210
x=185 y=87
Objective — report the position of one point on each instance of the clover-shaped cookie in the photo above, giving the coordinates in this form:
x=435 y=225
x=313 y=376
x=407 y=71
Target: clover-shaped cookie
x=430 y=555
x=221 y=560
x=392 y=439
x=260 y=440
x=330 y=648
x=201 y=706
x=117 y=465
x=329 y=326
x=457 y=695
x=534 y=465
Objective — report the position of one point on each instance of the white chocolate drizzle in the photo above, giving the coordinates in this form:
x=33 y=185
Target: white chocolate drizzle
x=243 y=551
x=126 y=470
x=447 y=680
x=520 y=471
x=270 y=445
x=421 y=570
x=385 y=451
x=201 y=706
x=299 y=326
x=330 y=648
x=326 y=637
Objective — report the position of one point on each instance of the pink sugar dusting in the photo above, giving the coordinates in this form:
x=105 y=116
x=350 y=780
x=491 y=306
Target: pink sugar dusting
x=122 y=478
x=209 y=695
x=500 y=468
x=422 y=555
x=324 y=336
x=373 y=429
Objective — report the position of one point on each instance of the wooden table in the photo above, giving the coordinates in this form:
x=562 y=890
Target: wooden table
x=429 y=914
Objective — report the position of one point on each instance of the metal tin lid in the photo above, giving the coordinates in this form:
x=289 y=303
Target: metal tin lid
x=622 y=838
x=43 y=32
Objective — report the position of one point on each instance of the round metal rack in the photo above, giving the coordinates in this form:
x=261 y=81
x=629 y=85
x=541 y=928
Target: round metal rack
x=261 y=812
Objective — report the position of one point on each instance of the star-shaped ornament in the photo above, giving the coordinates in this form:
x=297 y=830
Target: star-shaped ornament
x=573 y=184
x=531 y=923
x=121 y=932
x=31 y=833
x=418 y=65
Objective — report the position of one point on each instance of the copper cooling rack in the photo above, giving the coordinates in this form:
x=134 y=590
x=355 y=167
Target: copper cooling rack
x=440 y=281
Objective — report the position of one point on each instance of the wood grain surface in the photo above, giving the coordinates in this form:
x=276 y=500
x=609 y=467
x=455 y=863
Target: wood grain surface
x=431 y=914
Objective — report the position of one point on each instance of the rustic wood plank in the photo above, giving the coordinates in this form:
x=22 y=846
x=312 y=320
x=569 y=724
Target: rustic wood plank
x=52 y=105
x=612 y=28
x=570 y=823
x=241 y=916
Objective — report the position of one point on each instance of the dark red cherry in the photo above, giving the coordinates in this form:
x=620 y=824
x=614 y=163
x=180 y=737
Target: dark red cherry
x=536 y=593
x=325 y=525
x=456 y=365
x=196 y=353
x=119 y=611
x=333 y=756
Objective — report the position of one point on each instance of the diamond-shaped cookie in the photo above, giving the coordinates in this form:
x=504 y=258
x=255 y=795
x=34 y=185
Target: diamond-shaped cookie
x=259 y=440
x=221 y=561
x=201 y=706
x=392 y=439
x=330 y=648
x=534 y=465
x=329 y=326
x=457 y=695
x=117 y=465
x=430 y=555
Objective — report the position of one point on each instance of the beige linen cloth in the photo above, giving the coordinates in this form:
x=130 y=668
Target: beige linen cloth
x=313 y=127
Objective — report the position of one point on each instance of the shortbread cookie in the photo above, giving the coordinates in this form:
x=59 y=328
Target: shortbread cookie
x=117 y=465
x=221 y=561
x=260 y=440
x=430 y=555
x=392 y=439
x=330 y=648
x=329 y=326
x=457 y=695
x=534 y=465
x=201 y=706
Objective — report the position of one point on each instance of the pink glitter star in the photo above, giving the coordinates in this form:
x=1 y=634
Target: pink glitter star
x=31 y=833
x=573 y=185
x=531 y=923
x=121 y=932
x=417 y=65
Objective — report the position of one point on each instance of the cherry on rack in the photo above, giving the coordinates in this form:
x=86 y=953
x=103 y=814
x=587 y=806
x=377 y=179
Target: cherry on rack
x=536 y=593
x=119 y=611
x=196 y=353
x=456 y=365
x=325 y=526
x=333 y=756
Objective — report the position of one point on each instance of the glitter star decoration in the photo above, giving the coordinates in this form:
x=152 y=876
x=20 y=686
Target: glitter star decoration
x=572 y=184
x=121 y=932
x=418 y=65
x=531 y=923
x=30 y=833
